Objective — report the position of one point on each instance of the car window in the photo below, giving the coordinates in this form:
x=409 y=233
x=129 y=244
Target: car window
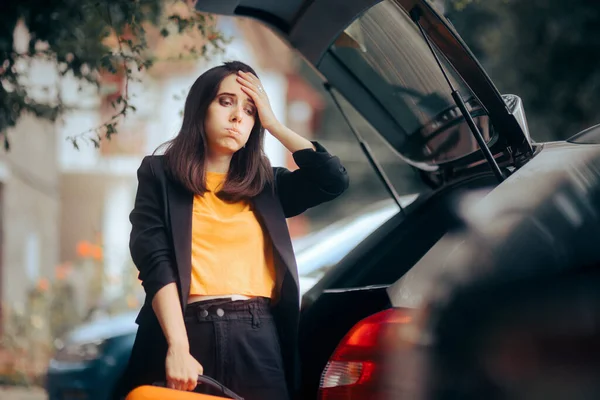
x=385 y=51
x=406 y=179
x=330 y=125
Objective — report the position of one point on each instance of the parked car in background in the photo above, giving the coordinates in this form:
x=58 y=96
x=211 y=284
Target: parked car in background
x=320 y=251
x=90 y=359
x=364 y=330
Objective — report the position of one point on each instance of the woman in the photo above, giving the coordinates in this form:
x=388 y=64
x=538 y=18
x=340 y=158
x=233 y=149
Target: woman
x=210 y=240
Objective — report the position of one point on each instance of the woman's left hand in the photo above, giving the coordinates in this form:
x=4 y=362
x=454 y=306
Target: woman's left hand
x=252 y=86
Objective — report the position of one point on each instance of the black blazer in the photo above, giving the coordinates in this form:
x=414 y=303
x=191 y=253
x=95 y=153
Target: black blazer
x=161 y=238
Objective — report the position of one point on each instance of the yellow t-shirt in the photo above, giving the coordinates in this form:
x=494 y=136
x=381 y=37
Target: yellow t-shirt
x=230 y=252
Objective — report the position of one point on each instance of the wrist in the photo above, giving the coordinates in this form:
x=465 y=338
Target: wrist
x=273 y=127
x=179 y=345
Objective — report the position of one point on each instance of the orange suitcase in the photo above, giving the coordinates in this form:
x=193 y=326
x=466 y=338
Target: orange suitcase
x=161 y=393
x=149 y=392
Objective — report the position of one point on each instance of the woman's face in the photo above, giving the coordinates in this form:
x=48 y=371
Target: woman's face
x=229 y=119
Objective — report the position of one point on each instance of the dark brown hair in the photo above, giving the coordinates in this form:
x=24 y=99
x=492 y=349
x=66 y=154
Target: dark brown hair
x=185 y=155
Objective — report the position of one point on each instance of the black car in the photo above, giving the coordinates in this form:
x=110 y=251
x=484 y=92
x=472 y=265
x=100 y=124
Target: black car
x=499 y=208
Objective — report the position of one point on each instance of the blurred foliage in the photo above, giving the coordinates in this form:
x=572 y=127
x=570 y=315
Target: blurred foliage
x=546 y=51
x=54 y=307
x=85 y=38
x=27 y=344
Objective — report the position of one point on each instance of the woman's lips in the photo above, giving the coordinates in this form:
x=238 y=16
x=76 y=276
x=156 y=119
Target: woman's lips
x=234 y=131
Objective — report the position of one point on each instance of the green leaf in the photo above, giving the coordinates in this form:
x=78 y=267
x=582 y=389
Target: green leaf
x=110 y=130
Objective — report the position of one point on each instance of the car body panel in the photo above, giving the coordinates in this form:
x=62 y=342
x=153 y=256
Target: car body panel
x=526 y=191
x=588 y=136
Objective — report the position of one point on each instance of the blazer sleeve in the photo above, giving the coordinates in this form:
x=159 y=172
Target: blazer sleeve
x=320 y=177
x=149 y=240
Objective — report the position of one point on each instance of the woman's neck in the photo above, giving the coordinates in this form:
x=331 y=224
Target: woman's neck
x=218 y=163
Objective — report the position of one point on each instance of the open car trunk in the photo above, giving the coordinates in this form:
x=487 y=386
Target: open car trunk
x=373 y=54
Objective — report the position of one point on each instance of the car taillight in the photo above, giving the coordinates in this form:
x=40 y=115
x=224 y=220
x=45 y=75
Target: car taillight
x=364 y=361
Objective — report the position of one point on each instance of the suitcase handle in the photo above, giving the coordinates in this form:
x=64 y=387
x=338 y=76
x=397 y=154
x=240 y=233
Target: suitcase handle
x=207 y=380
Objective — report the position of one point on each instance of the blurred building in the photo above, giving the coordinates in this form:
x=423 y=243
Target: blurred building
x=29 y=209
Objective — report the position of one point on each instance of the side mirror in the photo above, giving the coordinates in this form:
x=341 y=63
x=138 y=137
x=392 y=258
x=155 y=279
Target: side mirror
x=515 y=107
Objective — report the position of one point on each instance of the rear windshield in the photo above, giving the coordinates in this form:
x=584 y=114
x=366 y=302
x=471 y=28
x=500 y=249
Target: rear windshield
x=384 y=49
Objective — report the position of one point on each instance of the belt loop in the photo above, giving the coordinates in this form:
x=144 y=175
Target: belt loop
x=255 y=317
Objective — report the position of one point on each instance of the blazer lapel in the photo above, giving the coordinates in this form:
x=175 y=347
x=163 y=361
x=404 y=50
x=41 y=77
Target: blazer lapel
x=271 y=214
x=180 y=212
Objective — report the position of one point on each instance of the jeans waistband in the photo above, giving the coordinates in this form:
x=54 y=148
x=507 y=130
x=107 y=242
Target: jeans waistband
x=228 y=309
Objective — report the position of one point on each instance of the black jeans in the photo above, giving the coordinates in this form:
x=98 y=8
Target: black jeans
x=237 y=344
